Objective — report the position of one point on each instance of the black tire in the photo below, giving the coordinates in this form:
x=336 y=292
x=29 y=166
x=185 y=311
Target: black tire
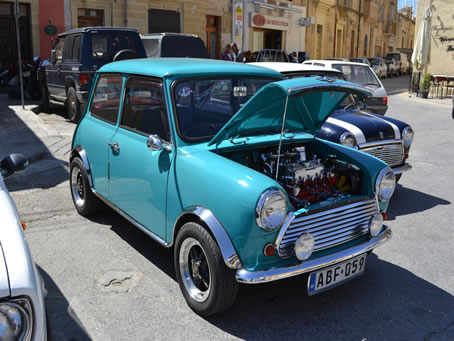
x=45 y=104
x=398 y=176
x=214 y=285
x=73 y=105
x=84 y=200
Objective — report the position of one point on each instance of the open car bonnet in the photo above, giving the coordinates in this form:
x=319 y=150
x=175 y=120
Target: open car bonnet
x=307 y=102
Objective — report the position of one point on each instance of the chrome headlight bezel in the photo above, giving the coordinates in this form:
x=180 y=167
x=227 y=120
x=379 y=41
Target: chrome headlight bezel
x=265 y=200
x=386 y=193
x=345 y=137
x=376 y=224
x=14 y=312
x=408 y=140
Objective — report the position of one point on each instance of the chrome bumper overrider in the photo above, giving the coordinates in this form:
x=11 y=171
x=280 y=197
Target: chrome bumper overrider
x=401 y=169
x=255 y=277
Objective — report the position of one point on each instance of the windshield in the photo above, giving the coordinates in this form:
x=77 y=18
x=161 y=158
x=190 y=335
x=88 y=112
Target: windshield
x=204 y=105
x=396 y=56
x=105 y=45
x=358 y=74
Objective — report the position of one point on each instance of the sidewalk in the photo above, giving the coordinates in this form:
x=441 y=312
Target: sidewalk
x=23 y=131
x=445 y=102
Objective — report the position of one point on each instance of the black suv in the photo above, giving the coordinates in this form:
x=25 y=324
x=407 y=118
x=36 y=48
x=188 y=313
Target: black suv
x=77 y=55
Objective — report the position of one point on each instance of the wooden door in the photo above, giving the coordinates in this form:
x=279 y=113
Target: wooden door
x=212 y=30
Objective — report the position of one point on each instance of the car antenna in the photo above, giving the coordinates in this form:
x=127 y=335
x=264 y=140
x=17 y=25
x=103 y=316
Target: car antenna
x=282 y=134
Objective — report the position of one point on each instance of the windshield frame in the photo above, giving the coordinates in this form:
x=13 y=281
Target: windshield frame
x=213 y=77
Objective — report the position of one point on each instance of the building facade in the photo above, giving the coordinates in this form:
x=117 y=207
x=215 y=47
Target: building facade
x=442 y=42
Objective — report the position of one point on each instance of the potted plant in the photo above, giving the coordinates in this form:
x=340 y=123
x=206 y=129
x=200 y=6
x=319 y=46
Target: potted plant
x=424 y=85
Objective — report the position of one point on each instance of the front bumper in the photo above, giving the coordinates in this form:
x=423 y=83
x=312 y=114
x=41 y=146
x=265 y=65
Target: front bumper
x=400 y=169
x=256 y=277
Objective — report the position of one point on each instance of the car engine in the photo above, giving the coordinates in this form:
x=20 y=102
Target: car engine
x=306 y=178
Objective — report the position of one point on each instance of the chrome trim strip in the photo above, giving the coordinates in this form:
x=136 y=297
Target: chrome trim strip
x=132 y=221
x=228 y=251
x=83 y=155
x=354 y=130
x=378 y=143
x=404 y=168
x=256 y=277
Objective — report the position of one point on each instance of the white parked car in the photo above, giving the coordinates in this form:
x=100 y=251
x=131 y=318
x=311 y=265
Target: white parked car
x=22 y=311
x=379 y=66
x=361 y=74
x=401 y=60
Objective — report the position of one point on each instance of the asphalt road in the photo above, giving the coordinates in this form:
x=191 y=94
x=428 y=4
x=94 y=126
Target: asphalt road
x=108 y=281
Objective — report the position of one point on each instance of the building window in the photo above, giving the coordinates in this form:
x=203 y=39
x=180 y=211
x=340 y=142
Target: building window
x=365 y=45
x=163 y=21
x=90 y=17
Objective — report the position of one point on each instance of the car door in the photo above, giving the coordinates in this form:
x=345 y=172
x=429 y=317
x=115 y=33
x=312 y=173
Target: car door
x=138 y=175
x=101 y=122
x=53 y=70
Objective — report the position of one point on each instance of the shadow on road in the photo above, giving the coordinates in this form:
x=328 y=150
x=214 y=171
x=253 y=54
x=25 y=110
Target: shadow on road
x=62 y=320
x=16 y=136
x=155 y=253
x=407 y=201
x=386 y=303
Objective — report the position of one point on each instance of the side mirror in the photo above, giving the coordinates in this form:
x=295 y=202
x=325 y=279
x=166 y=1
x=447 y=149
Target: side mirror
x=14 y=163
x=53 y=56
x=154 y=142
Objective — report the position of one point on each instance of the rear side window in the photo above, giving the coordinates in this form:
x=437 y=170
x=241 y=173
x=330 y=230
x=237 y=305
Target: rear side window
x=144 y=110
x=106 y=98
x=183 y=46
x=105 y=45
x=72 y=49
x=151 y=47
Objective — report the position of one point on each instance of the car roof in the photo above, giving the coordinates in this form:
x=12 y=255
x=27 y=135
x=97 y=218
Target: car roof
x=97 y=28
x=186 y=67
x=291 y=67
x=330 y=62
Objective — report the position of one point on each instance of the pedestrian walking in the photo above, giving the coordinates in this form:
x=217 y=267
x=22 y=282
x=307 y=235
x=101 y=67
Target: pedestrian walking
x=226 y=54
x=234 y=51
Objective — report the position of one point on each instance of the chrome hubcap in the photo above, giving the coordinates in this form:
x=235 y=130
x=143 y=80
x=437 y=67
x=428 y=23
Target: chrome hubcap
x=77 y=186
x=195 y=270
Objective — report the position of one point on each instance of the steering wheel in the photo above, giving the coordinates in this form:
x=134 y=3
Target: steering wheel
x=211 y=126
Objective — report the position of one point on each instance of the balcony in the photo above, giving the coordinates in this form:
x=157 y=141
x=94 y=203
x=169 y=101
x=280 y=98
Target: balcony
x=390 y=28
x=345 y=4
x=370 y=10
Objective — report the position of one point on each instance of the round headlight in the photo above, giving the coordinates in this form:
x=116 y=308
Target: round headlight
x=15 y=321
x=304 y=246
x=271 y=210
x=347 y=140
x=375 y=225
x=407 y=136
x=385 y=185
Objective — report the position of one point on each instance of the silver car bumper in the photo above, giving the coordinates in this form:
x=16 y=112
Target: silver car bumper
x=398 y=170
x=255 y=277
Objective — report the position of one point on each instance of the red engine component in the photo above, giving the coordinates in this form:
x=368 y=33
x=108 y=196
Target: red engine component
x=316 y=189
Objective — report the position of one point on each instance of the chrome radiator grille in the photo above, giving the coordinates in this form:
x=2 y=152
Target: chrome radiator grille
x=329 y=228
x=392 y=153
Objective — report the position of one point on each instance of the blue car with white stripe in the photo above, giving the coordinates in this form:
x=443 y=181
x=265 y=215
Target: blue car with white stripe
x=383 y=137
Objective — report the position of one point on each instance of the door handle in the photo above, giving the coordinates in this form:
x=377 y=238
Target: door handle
x=115 y=146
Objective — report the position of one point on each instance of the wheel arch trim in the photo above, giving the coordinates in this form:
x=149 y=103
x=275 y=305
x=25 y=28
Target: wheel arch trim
x=80 y=152
x=214 y=226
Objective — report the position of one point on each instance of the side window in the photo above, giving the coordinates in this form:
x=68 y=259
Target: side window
x=68 y=49
x=76 y=49
x=144 y=108
x=59 y=49
x=106 y=98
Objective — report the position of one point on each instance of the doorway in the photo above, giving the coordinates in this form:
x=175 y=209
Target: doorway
x=266 y=39
x=8 y=42
x=90 y=17
x=213 y=41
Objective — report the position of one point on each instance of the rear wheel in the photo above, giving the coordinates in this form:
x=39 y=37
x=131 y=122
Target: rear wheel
x=208 y=286
x=84 y=200
x=72 y=105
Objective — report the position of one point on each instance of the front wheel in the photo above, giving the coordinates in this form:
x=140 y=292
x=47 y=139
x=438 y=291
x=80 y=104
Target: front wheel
x=208 y=286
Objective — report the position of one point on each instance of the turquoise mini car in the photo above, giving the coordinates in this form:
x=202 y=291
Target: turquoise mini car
x=219 y=162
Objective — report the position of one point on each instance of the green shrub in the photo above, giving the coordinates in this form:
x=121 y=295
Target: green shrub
x=425 y=83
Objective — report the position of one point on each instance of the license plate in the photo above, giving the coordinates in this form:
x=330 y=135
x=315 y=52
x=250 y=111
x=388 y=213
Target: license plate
x=336 y=274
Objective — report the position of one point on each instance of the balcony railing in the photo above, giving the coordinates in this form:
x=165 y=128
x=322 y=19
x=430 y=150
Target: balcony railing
x=390 y=27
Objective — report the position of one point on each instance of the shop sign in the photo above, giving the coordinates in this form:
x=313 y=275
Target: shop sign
x=50 y=30
x=271 y=22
